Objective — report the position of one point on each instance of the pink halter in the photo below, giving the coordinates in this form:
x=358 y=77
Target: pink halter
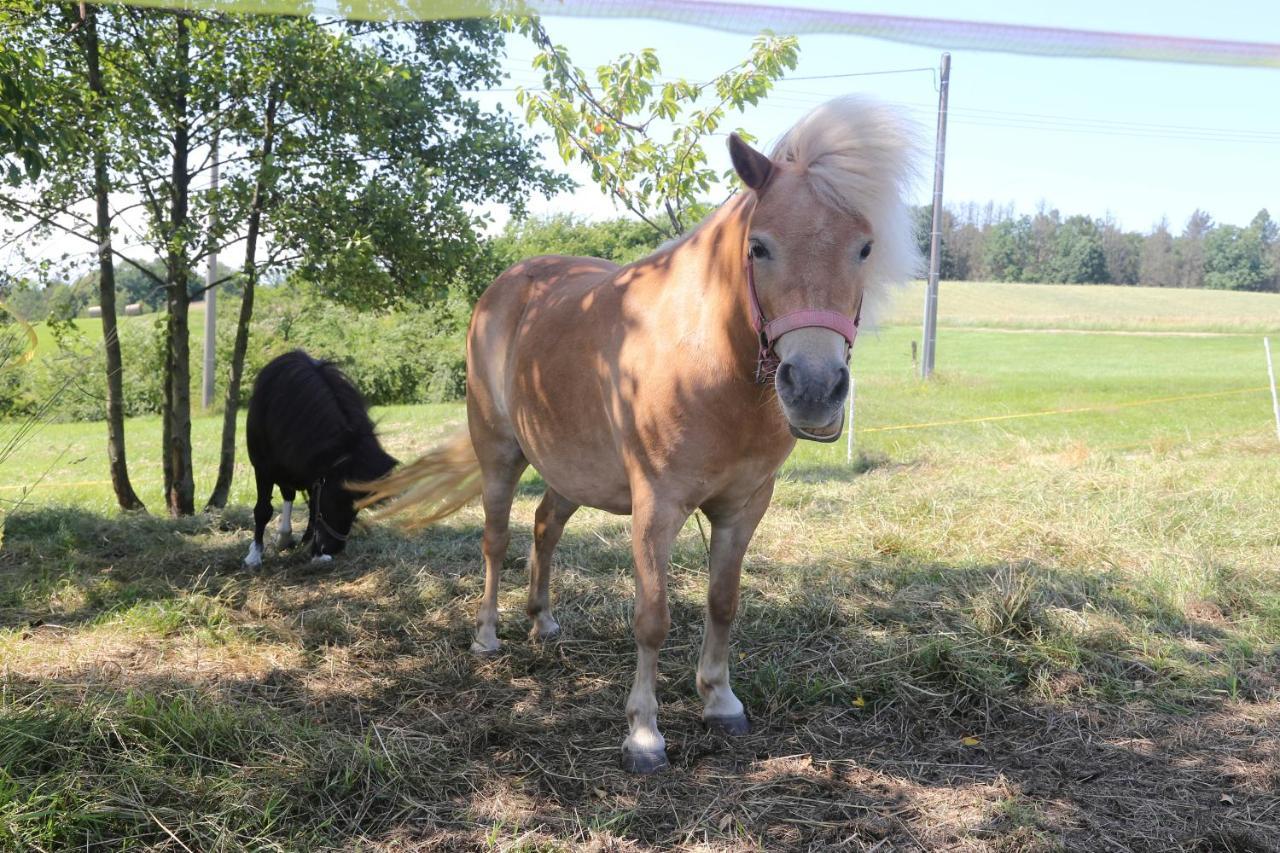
x=770 y=330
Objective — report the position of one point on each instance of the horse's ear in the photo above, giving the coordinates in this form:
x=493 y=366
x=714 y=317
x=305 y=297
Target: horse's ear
x=753 y=167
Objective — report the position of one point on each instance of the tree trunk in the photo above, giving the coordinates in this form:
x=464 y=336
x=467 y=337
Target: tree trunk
x=116 y=458
x=180 y=480
x=231 y=406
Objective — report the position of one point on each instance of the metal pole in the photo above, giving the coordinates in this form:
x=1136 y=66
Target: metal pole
x=210 y=302
x=1271 y=374
x=935 y=238
x=848 y=453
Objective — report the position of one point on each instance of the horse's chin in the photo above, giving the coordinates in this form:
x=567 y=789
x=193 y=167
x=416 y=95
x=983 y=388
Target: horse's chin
x=826 y=434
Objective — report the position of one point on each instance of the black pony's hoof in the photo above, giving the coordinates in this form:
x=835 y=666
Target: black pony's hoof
x=735 y=726
x=644 y=763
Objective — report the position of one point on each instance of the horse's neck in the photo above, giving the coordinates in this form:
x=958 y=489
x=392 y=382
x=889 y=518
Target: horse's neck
x=706 y=295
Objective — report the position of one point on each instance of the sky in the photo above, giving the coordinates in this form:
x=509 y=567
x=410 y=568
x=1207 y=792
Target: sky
x=1137 y=140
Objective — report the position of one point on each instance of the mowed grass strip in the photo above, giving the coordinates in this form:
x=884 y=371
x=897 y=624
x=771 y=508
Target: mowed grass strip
x=1092 y=306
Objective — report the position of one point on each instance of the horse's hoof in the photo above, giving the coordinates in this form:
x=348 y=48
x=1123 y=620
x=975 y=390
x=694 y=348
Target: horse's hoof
x=286 y=543
x=644 y=763
x=544 y=635
x=481 y=650
x=735 y=726
x=322 y=558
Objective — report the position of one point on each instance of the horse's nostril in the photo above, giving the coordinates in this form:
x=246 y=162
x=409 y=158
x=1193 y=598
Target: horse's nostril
x=786 y=375
x=842 y=384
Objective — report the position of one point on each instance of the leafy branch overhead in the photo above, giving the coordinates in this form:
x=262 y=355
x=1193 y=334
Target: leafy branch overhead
x=642 y=135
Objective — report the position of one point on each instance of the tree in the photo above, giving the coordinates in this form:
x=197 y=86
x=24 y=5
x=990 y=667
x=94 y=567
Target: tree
x=377 y=164
x=1076 y=254
x=1158 y=266
x=1237 y=258
x=23 y=84
x=1268 y=231
x=619 y=240
x=367 y=161
x=924 y=239
x=1007 y=250
x=612 y=126
x=1189 y=249
x=79 y=118
x=1122 y=253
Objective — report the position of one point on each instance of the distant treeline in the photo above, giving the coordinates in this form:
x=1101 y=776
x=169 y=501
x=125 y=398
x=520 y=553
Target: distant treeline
x=993 y=243
x=979 y=243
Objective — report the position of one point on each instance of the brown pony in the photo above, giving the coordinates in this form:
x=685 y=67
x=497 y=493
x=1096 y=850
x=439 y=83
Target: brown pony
x=679 y=382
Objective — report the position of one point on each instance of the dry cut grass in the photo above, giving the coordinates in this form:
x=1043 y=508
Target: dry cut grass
x=1041 y=648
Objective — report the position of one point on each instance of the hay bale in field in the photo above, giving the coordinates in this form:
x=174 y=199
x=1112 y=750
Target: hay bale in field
x=95 y=310
x=133 y=309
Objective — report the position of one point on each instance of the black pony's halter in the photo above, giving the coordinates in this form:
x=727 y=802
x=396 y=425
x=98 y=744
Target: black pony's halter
x=324 y=525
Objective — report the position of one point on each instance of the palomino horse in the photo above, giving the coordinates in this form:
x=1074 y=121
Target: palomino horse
x=679 y=382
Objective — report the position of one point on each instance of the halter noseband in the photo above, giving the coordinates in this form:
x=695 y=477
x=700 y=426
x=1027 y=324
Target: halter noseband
x=769 y=331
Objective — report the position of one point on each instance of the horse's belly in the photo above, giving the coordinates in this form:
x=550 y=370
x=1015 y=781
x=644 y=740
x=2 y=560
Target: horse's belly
x=582 y=465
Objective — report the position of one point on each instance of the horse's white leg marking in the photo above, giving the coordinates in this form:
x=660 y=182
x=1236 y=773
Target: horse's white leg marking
x=548 y=524
x=653 y=530
x=285 y=534
x=254 y=558
x=322 y=558
x=729 y=539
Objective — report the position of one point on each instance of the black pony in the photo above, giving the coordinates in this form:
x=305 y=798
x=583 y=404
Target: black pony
x=309 y=431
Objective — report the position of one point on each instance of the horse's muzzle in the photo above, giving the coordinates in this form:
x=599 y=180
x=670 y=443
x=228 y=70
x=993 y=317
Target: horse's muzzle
x=812 y=395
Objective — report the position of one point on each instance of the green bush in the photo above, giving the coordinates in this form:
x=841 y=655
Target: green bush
x=73 y=374
x=409 y=356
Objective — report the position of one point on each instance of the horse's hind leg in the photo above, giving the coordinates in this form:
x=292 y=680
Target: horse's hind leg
x=548 y=524
x=261 y=515
x=284 y=536
x=731 y=532
x=501 y=465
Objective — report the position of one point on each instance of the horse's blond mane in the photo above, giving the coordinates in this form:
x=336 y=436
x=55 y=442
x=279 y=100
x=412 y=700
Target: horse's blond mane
x=861 y=156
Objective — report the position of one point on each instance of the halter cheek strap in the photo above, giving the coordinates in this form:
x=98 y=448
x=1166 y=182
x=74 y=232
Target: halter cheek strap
x=770 y=330
x=328 y=528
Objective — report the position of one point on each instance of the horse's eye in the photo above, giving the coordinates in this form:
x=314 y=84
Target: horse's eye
x=758 y=250
x=866 y=251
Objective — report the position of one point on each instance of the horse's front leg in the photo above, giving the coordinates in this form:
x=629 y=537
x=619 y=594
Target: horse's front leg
x=654 y=527
x=731 y=532
x=284 y=538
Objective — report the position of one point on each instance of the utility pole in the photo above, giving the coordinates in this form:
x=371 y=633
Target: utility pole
x=210 y=300
x=935 y=238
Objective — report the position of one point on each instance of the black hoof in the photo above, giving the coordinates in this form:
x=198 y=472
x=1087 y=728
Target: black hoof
x=286 y=544
x=728 y=726
x=644 y=763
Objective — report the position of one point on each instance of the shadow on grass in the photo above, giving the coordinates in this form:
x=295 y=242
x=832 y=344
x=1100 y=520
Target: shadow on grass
x=905 y=705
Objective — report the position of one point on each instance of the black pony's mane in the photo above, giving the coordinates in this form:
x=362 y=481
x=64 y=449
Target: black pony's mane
x=319 y=408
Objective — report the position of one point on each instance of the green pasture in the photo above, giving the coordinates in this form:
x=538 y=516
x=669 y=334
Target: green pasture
x=1135 y=391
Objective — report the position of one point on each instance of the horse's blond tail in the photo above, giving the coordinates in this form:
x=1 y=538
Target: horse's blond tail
x=434 y=486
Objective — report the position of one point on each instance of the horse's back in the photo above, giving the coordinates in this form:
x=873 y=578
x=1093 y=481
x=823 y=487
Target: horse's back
x=300 y=413
x=537 y=290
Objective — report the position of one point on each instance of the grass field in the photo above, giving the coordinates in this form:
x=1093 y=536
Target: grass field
x=1027 y=306
x=1055 y=632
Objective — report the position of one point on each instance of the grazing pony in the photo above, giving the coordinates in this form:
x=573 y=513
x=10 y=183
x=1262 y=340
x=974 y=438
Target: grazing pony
x=308 y=430
x=679 y=382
